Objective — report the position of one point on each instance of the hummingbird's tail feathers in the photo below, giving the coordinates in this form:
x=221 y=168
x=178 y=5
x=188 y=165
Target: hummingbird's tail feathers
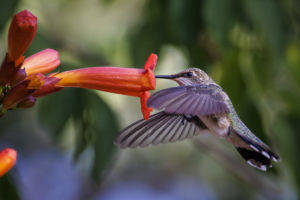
x=160 y=128
x=255 y=159
x=257 y=155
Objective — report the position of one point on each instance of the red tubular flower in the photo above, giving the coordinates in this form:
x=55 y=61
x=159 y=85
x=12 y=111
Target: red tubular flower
x=128 y=81
x=42 y=62
x=21 y=32
x=8 y=158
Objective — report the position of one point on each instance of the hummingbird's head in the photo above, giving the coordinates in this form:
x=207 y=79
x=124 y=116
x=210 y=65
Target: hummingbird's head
x=188 y=77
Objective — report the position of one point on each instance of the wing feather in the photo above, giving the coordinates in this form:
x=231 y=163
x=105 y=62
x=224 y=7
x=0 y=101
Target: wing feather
x=180 y=99
x=165 y=131
x=156 y=131
x=160 y=128
x=172 y=130
x=147 y=132
x=184 y=132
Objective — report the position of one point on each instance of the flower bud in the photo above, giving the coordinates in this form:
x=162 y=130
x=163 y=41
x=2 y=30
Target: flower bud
x=8 y=158
x=21 y=33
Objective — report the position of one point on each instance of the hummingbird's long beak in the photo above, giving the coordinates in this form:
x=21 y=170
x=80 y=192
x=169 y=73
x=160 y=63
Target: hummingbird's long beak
x=166 y=76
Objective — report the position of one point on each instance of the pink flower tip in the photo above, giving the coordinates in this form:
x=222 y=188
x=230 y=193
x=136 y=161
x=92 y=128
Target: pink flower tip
x=42 y=62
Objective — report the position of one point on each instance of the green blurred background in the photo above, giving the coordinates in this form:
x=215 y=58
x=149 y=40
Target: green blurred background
x=65 y=143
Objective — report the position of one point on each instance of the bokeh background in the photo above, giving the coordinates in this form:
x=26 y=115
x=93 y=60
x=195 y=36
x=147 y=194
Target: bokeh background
x=65 y=143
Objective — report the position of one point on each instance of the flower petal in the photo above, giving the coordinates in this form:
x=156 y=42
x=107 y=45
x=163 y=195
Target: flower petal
x=8 y=158
x=151 y=62
x=21 y=32
x=145 y=110
x=42 y=62
x=36 y=81
x=149 y=67
x=48 y=87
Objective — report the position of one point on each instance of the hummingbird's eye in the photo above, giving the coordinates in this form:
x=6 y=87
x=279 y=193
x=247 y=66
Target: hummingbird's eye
x=189 y=74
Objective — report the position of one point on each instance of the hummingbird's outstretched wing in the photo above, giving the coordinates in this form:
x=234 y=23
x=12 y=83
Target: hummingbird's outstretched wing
x=198 y=99
x=160 y=128
x=179 y=119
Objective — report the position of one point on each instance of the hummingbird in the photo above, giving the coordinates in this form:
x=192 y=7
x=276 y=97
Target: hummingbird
x=197 y=106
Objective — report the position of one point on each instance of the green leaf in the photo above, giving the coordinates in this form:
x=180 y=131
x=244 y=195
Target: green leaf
x=220 y=17
x=100 y=128
x=56 y=109
x=95 y=123
x=266 y=16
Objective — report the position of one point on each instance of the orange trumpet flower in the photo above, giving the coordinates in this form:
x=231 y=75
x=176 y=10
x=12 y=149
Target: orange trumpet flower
x=8 y=158
x=22 y=81
x=127 y=81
